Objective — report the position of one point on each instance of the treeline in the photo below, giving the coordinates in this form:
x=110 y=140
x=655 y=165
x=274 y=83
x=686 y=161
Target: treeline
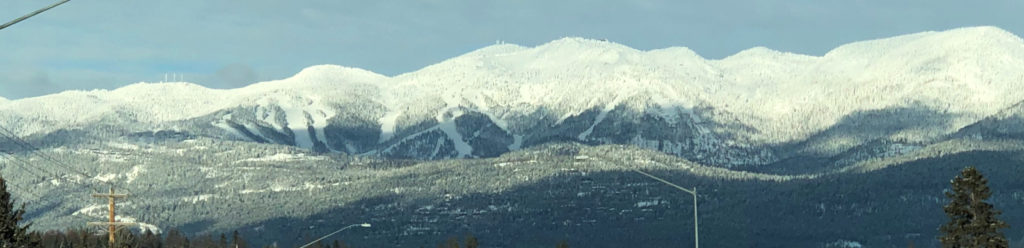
x=86 y=238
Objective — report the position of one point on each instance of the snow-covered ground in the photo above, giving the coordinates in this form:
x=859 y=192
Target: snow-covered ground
x=281 y=157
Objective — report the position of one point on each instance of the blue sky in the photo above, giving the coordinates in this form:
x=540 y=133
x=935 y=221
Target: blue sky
x=105 y=44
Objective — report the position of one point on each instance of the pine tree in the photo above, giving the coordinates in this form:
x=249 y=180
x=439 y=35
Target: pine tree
x=11 y=234
x=471 y=242
x=150 y=240
x=450 y=243
x=563 y=244
x=175 y=239
x=972 y=221
x=125 y=239
x=237 y=241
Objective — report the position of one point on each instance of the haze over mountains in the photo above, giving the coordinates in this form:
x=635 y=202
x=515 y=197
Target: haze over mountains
x=761 y=115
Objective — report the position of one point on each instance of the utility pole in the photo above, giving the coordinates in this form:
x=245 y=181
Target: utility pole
x=111 y=223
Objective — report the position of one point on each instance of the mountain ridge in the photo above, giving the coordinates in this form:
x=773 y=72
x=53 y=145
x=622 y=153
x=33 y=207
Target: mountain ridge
x=512 y=96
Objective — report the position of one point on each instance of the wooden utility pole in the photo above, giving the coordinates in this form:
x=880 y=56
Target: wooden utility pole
x=111 y=223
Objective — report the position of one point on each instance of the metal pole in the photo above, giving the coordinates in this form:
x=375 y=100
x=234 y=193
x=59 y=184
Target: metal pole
x=32 y=14
x=696 y=239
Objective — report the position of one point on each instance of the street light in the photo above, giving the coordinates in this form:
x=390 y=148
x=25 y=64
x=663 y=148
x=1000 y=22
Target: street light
x=696 y=241
x=335 y=232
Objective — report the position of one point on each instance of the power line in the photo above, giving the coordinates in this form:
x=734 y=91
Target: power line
x=22 y=18
x=9 y=134
x=33 y=149
x=28 y=168
x=24 y=191
x=26 y=164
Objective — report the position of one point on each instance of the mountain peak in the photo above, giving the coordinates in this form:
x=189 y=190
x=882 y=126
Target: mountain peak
x=158 y=87
x=497 y=49
x=578 y=43
x=959 y=39
x=319 y=75
x=760 y=52
x=983 y=32
x=334 y=70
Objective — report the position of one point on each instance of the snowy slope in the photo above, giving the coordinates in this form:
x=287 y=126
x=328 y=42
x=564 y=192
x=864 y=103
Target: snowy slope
x=509 y=96
x=968 y=72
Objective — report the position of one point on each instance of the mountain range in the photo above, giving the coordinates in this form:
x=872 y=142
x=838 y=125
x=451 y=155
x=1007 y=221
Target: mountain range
x=760 y=115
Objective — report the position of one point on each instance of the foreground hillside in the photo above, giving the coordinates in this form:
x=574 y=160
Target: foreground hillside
x=537 y=196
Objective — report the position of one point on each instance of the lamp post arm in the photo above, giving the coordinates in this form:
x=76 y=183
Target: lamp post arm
x=335 y=232
x=693 y=192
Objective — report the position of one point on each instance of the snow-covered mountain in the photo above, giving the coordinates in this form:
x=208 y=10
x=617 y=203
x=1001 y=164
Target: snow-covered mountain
x=758 y=106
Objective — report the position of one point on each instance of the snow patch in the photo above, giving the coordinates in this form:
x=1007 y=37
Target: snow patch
x=130 y=176
x=517 y=143
x=141 y=225
x=91 y=210
x=446 y=123
x=100 y=211
x=197 y=198
x=844 y=244
x=387 y=125
x=105 y=177
x=281 y=157
x=644 y=204
x=223 y=124
x=600 y=117
x=298 y=122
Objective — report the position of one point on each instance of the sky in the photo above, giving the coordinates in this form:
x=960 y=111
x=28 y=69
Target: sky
x=106 y=44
